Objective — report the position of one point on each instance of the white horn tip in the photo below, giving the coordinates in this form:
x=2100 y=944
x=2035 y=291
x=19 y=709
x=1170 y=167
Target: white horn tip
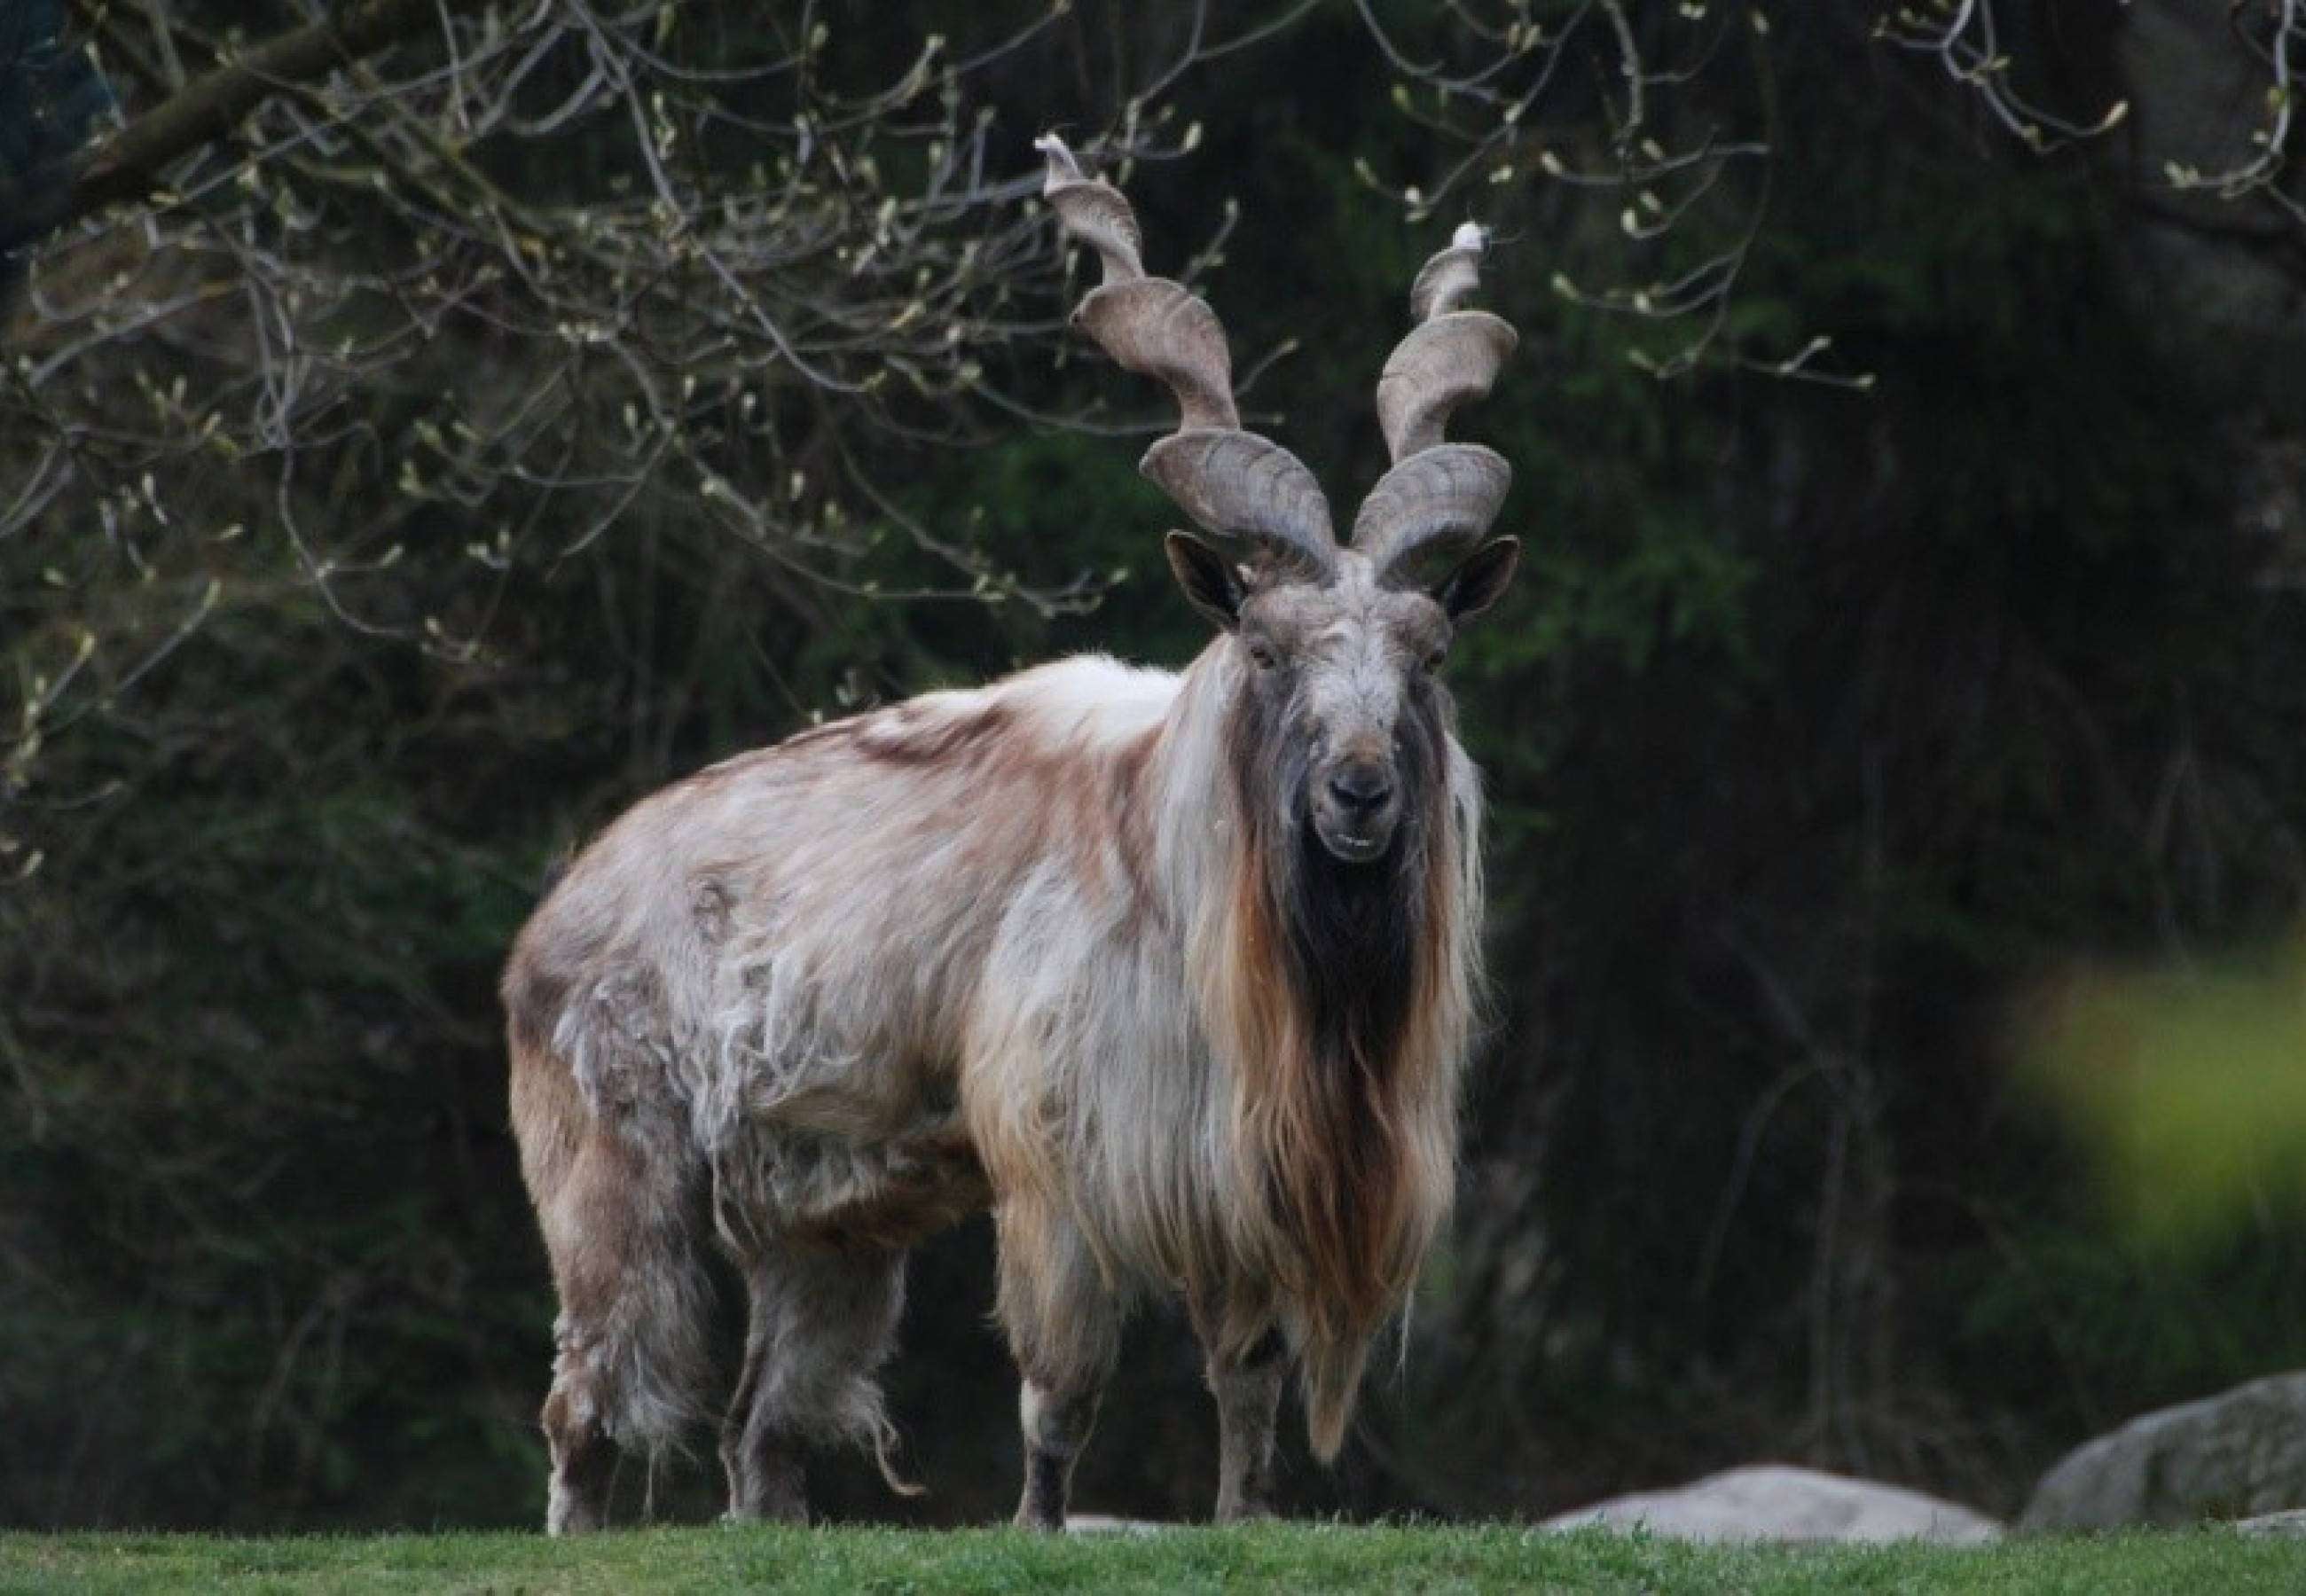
x=1061 y=160
x=1469 y=236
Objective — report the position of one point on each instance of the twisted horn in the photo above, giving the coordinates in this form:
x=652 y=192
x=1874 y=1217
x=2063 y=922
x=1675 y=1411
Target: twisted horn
x=1232 y=482
x=1438 y=500
x=1430 y=510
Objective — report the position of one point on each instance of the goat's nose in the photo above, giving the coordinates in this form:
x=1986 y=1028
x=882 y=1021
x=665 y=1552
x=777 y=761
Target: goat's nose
x=1361 y=787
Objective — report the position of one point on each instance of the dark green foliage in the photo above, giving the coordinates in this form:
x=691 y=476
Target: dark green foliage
x=1860 y=732
x=269 y=1259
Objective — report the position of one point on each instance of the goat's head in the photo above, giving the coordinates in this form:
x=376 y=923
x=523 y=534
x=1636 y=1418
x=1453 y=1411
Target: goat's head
x=1334 y=648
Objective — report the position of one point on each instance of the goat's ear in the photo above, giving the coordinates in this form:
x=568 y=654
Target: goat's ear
x=1212 y=583
x=1475 y=586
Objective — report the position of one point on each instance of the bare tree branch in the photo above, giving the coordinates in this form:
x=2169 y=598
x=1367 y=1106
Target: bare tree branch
x=424 y=300
x=130 y=163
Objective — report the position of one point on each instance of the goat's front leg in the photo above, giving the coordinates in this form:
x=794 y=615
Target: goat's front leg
x=1066 y=1331
x=1056 y=1426
x=1247 y=1386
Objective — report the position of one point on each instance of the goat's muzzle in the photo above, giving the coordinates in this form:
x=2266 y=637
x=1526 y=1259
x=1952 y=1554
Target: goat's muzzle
x=1356 y=807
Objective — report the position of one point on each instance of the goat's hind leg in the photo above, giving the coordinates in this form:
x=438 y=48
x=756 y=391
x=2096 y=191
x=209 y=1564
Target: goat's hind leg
x=766 y=1481
x=822 y=1318
x=584 y=1458
x=631 y=1346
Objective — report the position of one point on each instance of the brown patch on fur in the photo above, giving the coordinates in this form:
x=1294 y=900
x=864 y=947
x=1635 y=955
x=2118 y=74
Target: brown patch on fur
x=534 y=993
x=1028 y=797
x=941 y=1183
x=548 y=1111
x=712 y=905
x=906 y=735
x=1131 y=810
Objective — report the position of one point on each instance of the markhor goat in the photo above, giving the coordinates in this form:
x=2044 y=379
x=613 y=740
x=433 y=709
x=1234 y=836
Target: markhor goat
x=1175 y=972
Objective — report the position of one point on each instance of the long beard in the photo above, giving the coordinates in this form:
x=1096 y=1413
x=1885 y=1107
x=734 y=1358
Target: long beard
x=1351 y=959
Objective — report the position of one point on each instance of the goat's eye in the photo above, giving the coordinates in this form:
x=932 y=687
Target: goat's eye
x=1436 y=660
x=1261 y=656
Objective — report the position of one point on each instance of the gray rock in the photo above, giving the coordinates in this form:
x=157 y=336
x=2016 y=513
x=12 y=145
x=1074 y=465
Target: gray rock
x=1778 y=1502
x=2239 y=1455
x=1106 y=1524
x=2290 y=1521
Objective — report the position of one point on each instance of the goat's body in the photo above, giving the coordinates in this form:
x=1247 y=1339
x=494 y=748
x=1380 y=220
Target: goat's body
x=871 y=978
x=1176 y=972
x=806 y=979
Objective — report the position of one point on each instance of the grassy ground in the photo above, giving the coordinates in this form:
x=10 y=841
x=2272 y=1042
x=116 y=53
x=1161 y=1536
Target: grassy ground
x=1326 y=1559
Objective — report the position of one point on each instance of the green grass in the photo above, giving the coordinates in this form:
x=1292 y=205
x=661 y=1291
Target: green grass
x=1326 y=1559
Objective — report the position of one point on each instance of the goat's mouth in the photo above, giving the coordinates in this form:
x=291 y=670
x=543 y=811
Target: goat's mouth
x=1353 y=839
